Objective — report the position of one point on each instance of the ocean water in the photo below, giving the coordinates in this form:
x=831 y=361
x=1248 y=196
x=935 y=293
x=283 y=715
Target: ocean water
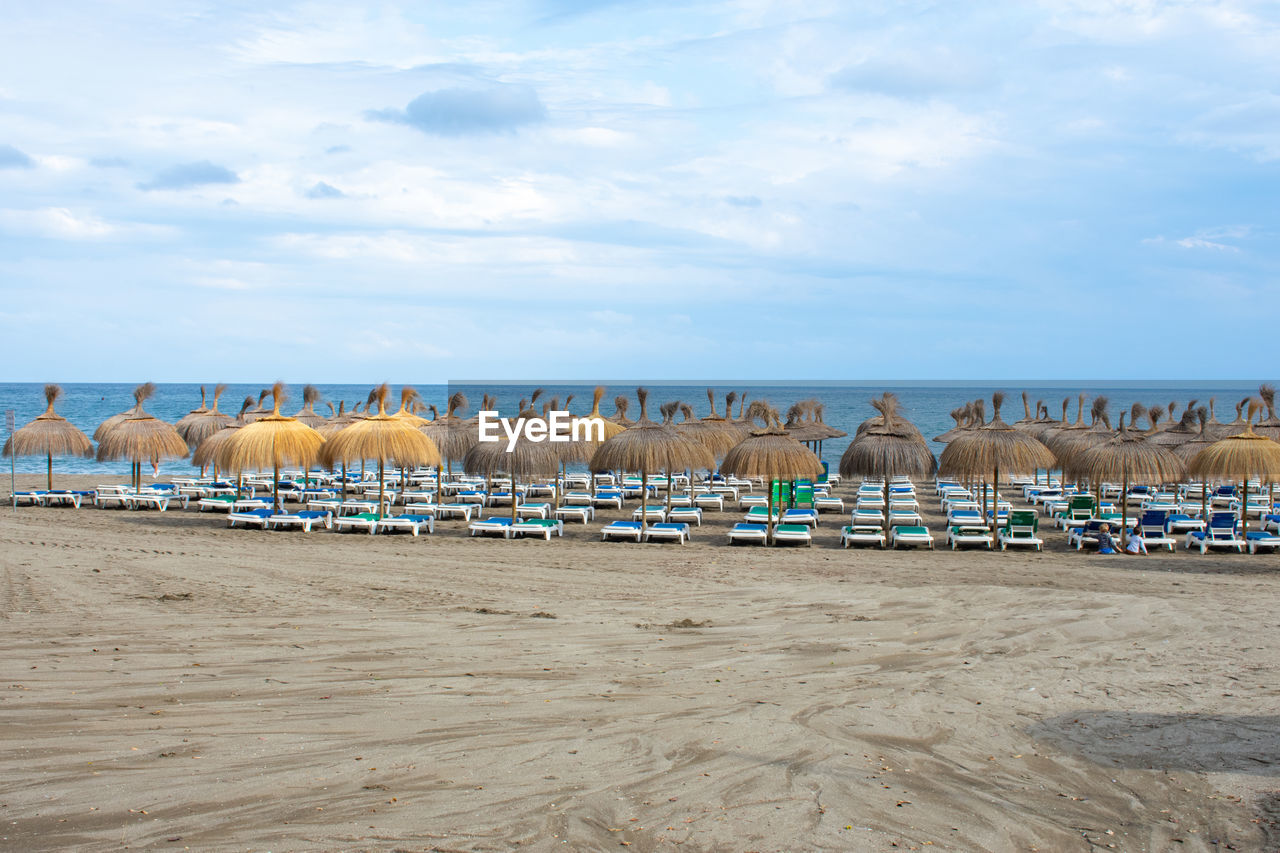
x=926 y=404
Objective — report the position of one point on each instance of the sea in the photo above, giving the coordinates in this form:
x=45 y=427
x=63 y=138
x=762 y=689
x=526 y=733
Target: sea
x=927 y=404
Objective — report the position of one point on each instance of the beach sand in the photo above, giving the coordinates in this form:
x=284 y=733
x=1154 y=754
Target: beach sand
x=170 y=684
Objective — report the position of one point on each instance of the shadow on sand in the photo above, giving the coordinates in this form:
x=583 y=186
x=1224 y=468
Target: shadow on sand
x=1196 y=742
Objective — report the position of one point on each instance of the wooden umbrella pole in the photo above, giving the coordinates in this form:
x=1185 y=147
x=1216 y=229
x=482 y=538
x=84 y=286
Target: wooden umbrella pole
x=769 y=520
x=381 y=487
x=644 y=500
x=886 y=505
x=275 y=486
x=1124 y=506
x=49 y=476
x=513 y=497
x=1244 y=507
x=995 y=500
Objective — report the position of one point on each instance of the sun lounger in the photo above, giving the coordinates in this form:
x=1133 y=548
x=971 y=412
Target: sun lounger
x=61 y=497
x=1220 y=533
x=743 y=532
x=539 y=510
x=1261 y=539
x=412 y=523
x=490 y=526
x=366 y=521
x=306 y=519
x=577 y=499
x=621 y=530
x=712 y=501
x=138 y=500
x=862 y=534
x=103 y=499
x=1086 y=535
x=907 y=536
x=30 y=498
x=1020 y=530
x=688 y=513
x=1181 y=522
x=1154 y=525
x=219 y=503
x=678 y=532
x=543 y=527
x=250 y=518
x=962 y=534
x=578 y=513
x=793 y=533
x=760 y=515
x=828 y=504
x=753 y=500
x=613 y=500
x=806 y=517
x=654 y=513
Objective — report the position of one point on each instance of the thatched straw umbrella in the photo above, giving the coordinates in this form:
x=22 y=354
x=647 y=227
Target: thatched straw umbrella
x=141 y=436
x=381 y=437
x=620 y=406
x=888 y=448
x=271 y=441
x=1245 y=455
x=995 y=447
x=261 y=411
x=1188 y=450
x=206 y=452
x=453 y=435
x=199 y=424
x=307 y=414
x=1182 y=431
x=891 y=400
x=965 y=420
x=648 y=447
x=49 y=435
x=526 y=460
x=718 y=434
x=1270 y=425
x=805 y=424
x=771 y=454
x=141 y=394
x=1026 y=421
x=588 y=446
x=1128 y=457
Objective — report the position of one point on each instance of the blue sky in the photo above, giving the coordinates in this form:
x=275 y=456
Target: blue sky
x=318 y=192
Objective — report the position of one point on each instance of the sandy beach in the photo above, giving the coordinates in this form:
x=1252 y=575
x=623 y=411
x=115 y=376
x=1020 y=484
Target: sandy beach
x=171 y=684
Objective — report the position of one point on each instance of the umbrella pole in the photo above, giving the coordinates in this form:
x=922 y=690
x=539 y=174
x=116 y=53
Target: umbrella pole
x=49 y=476
x=1244 y=507
x=382 y=489
x=769 y=520
x=1124 y=506
x=886 y=504
x=513 y=497
x=995 y=499
x=644 y=500
x=275 y=486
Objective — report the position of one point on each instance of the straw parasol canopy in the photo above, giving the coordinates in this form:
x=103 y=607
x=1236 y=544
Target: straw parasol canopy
x=649 y=447
x=1240 y=457
x=271 y=441
x=888 y=448
x=901 y=423
x=1182 y=431
x=995 y=447
x=966 y=418
x=206 y=452
x=527 y=460
x=261 y=411
x=716 y=433
x=49 y=435
x=141 y=436
x=1270 y=425
x=142 y=393
x=199 y=424
x=620 y=406
x=384 y=438
x=452 y=434
x=1128 y=457
x=307 y=414
x=771 y=454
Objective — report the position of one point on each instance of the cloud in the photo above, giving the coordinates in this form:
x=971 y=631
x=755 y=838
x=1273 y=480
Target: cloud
x=187 y=175
x=109 y=162
x=12 y=158
x=913 y=74
x=62 y=223
x=323 y=190
x=743 y=200
x=462 y=111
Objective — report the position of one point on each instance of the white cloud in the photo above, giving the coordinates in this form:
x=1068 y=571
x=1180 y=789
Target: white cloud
x=62 y=223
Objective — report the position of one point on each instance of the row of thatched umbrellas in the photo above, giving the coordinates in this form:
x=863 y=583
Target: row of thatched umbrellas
x=884 y=446
x=888 y=445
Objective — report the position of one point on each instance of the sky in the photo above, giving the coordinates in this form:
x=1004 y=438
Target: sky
x=195 y=191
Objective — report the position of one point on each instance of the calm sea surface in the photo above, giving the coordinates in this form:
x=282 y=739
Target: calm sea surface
x=847 y=405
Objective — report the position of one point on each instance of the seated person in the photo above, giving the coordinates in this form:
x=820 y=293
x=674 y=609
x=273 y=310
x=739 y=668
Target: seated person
x=1136 y=544
x=1106 y=545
